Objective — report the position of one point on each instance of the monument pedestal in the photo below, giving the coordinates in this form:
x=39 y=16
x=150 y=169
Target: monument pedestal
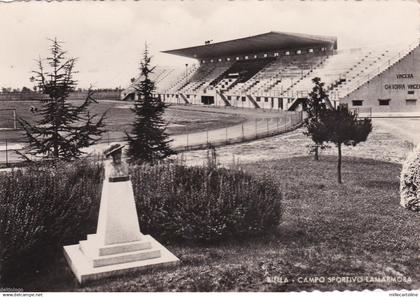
x=87 y=268
x=118 y=246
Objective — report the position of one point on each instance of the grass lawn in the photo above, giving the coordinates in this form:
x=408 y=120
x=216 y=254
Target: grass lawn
x=120 y=117
x=356 y=229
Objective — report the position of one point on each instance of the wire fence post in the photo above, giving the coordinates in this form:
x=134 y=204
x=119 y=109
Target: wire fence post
x=207 y=136
x=267 y=125
x=187 y=140
x=14 y=119
x=7 y=157
x=243 y=135
x=282 y=127
x=186 y=133
x=278 y=119
x=226 y=135
x=256 y=129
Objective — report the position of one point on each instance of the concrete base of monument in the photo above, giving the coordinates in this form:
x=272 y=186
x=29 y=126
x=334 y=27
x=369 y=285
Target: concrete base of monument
x=89 y=263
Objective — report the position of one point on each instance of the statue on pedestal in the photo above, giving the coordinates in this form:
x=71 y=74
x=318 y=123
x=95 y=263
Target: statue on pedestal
x=118 y=245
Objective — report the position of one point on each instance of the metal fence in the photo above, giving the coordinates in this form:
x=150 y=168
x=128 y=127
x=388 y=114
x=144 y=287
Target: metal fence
x=272 y=124
x=248 y=131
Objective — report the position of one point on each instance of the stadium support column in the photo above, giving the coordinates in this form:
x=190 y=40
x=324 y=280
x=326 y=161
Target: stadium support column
x=184 y=98
x=253 y=101
x=329 y=104
x=225 y=100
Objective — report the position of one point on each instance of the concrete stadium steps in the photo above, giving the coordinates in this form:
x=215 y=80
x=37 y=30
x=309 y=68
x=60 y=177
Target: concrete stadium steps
x=250 y=85
x=175 y=79
x=245 y=70
x=169 y=78
x=385 y=61
x=342 y=71
x=217 y=73
x=269 y=75
x=256 y=79
x=329 y=71
x=284 y=72
x=163 y=76
x=203 y=76
x=215 y=82
x=224 y=84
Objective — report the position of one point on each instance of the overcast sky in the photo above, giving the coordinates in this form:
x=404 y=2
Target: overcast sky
x=108 y=37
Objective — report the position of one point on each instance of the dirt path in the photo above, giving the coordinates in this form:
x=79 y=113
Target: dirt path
x=405 y=129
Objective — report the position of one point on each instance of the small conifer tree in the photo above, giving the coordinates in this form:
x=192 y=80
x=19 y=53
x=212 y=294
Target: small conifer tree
x=63 y=129
x=341 y=127
x=314 y=106
x=148 y=141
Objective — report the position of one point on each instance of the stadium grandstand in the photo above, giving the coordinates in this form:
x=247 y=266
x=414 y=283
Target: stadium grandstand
x=275 y=71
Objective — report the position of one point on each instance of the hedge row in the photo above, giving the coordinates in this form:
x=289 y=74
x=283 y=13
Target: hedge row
x=43 y=208
x=410 y=181
x=204 y=204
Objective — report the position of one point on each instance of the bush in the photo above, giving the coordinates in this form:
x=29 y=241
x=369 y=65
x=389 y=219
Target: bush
x=410 y=181
x=43 y=208
x=203 y=204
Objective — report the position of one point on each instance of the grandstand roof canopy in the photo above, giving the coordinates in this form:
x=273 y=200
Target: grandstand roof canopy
x=270 y=41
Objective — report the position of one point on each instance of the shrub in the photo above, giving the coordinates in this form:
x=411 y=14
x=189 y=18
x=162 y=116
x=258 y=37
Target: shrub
x=43 y=208
x=410 y=181
x=203 y=204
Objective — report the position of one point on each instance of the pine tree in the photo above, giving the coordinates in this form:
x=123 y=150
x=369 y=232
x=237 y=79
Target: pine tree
x=148 y=141
x=314 y=106
x=341 y=127
x=63 y=128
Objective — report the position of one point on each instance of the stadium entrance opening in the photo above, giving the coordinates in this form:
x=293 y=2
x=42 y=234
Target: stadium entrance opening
x=207 y=100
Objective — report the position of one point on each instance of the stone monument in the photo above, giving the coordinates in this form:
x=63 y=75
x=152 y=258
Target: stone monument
x=118 y=245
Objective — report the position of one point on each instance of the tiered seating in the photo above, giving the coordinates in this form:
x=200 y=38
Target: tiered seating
x=367 y=68
x=279 y=77
x=203 y=76
x=162 y=76
x=157 y=74
x=295 y=70
x=243 y=88
x=280 y=71
x=225 y=83
x=170 y=79
x=244 y=70
x=197 y=78
x=330 y=71
x=218 y=73
x=340 y=71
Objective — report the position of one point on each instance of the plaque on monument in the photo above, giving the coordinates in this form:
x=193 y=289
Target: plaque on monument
x=118 y=245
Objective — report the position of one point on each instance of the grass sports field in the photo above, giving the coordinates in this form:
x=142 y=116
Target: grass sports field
x=119 y=118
